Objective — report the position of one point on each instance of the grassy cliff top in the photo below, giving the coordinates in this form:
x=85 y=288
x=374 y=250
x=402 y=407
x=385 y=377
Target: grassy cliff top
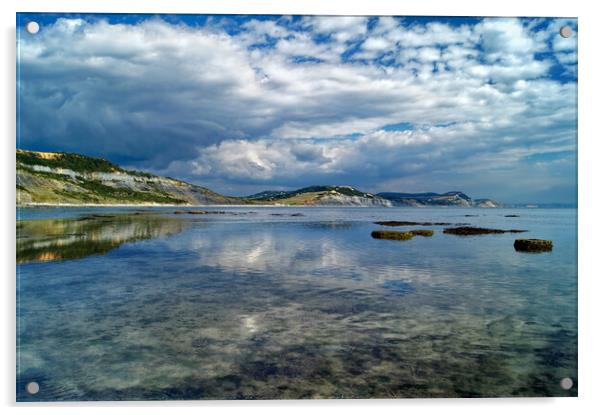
x=71 y=161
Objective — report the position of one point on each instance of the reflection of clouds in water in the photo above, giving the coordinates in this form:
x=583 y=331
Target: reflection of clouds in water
x=250 y=323
x=255 y=255
x=288 y=255
x=288 y=310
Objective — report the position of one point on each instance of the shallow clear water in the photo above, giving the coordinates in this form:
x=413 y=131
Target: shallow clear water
x=255 y=303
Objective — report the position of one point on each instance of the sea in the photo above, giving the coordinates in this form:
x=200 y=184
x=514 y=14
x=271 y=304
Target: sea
x=256 y=302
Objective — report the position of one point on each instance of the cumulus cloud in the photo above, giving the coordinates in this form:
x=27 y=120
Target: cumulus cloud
x=341 y=28
x=381 y=103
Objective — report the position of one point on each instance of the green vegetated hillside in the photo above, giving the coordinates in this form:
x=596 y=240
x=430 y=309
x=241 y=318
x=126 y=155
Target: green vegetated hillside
x=66 y=178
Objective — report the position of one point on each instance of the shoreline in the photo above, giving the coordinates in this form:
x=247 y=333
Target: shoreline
x=274 y=205
x=156 y=205
x=87 y=205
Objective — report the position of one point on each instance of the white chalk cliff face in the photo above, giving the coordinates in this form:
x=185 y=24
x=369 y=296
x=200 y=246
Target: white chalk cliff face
x=455 y=198
x=337 y=199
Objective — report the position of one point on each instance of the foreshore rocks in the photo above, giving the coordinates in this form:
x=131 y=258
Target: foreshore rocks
x=401 y=236
x=533 y=245
x=287 y=214
x=470 y=231
x=520 y=245
x=201 y=212
x=408 y=223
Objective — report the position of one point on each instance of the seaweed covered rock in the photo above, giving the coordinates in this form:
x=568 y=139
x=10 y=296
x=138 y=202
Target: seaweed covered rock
x=422 y=232
x=470 y=230
x=401 y=236
x=392 y=235
x=533 y=245
x=409 y=223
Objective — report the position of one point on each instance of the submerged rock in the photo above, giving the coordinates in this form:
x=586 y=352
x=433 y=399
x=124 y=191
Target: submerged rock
x=95 y=216
x=512 y=216
x=401 y=236
x=533 y=245
x=408 y=223
x=287 y=214
x=470 y=230
x=398 y=287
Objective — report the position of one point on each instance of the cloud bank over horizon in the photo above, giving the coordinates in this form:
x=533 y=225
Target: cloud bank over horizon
x=242 y=104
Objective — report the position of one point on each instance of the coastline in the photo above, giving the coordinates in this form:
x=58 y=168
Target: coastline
x=77 y=205
x=272 y=205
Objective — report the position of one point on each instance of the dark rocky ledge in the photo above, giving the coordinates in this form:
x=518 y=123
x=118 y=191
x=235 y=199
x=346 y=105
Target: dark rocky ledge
x=401 y=236
x=469 y=231
x=408 y=223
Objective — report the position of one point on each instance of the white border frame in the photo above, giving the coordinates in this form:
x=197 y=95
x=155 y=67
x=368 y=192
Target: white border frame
x=590 y=200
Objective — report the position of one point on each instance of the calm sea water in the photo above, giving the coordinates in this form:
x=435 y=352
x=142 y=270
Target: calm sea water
x=264 y=303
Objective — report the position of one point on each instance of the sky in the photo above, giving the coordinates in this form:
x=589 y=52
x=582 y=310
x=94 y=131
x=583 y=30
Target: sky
x=242 y=104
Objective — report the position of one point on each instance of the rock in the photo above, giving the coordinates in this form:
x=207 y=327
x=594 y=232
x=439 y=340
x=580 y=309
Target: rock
x=422 y=232
x=286 y=214
x=469 y=230
x=401 y=236
x=406 y=223
x=533 y=245
x=392 y=235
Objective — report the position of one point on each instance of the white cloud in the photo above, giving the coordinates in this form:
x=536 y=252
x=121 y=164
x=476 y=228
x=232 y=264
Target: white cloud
x=341 y=28
x=376 y=43
x=505 y=39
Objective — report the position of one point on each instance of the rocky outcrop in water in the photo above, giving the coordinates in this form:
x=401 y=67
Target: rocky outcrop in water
x=533 y=245
x=410 y=223
x=469 y=231
x=401 y=236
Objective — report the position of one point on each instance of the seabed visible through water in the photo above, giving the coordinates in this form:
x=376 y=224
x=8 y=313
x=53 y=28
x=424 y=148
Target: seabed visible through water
x=276 y=303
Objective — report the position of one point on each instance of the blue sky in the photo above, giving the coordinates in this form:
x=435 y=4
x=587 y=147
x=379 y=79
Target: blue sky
x=242 y=104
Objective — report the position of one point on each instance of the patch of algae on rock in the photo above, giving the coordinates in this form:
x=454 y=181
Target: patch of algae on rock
x=401 y=236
